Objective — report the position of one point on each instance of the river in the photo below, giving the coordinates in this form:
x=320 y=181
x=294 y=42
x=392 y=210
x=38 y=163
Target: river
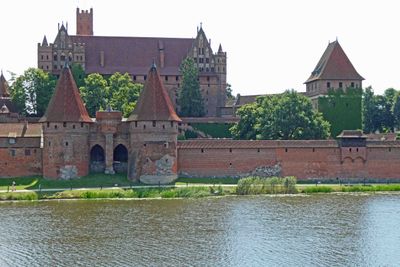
x=317 y=230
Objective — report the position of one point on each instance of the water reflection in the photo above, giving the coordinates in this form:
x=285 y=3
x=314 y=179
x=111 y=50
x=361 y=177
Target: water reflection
x=323 y=230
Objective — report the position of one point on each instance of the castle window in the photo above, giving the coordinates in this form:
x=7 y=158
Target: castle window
x=12 y=152
x=390 y=149
x=64 y=124
x=144 y=126
x=47 y=57
x=134 y=77
x=163 y=126
x=135 y=123
x=208 y=78
x=154 y=124
x=55 y=58
x=212 y=69
x=27 y=152
x=207 y=69
x=81 y=124
x=258 y=150
x=357 y=149
x=207 y=60
x=66 y=143
x=144 y=145
x=42 y=57
x=313 y=150
x=48 y=124
x=166 y=77
x=81 y=58
x=172 y=124
x=352 y=84
x=145 y=77
x=340 y=85
x=349 y=149
x=47 y=67
x=176 y=78
x=208 y=85
x=286 y=150
x=73 y=126
x=55 y=67
x=201 y=60
x=49 y=143
x=55 y=126
x=11 y=141
x=230 y=150
x=202 y=150
x=230 y=164
x=62 y=58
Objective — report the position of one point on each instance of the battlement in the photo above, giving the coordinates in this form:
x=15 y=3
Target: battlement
x=84 y=22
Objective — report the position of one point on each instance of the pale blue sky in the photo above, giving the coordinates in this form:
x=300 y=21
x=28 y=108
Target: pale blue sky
x=271 y=45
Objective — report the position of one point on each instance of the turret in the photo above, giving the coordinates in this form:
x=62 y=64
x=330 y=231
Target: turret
x=153 y=127
x=84 y=22
x=65 y=131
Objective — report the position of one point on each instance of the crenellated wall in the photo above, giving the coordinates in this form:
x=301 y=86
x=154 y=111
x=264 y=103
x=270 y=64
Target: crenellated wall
x=303 y=159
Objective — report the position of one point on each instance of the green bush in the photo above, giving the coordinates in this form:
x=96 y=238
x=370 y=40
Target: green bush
x=215 y=130
x=19 y=196
x=273 y=185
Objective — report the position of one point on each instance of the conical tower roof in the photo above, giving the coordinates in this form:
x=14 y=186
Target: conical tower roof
x=66 y=104
x=154 y=103
x=334 y=65
x=4 y=90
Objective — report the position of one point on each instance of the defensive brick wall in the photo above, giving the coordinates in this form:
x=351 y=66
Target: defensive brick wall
x=303 y=159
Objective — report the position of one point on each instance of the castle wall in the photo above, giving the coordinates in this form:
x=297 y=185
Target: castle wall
x=303 y=159
x=24 y=158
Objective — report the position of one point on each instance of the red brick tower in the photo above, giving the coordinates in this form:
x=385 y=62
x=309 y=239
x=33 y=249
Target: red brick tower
x=84 y=22
x=65 y=132
x=153 y=127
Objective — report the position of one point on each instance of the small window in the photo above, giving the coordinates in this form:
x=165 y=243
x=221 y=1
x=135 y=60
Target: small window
x=12 y=152
x=208 y=85
x=286 y=150
x=357 y=149
x=62 y=58
x=144 y=126
x=176 y=78
x=154 y=124
x=390 y=149
x=41 y=57
x=135 y=123
x=349 y=149
x=328 y=85
x=313 y=150
x=64 y=124
x=55 y=58
x=48 y=124
x=352 y=84
x=55 y=67
x=163 y=126
x=134 y=77
x=258 y=150
x=12 y=141
x=230 y=150
x=172 y=124
x=81 y=124
x=202 y=150
x=230 y=164
x=340 y=85
x=49 y=143
x=55 y=126
x=145 y=77
x=166 y=78
x=73 y=126
x=144 y=145
x=27 y=152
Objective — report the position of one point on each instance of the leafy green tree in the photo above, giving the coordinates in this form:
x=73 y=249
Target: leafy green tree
x=368 y=110
x=190 y=99
x=79 y=74
x=229 y=91
x=289 y=116
x=396 y=110
x=123 y=93
x=94 y=93
x=31 y=92
x=246 y=128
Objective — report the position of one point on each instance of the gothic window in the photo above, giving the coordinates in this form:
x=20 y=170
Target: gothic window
x=328 y=85
x=176 y=78
x=55 y=57
x=352 y=84
x=207 y=60
x=62 y=57
x=41 y=57
x=47 y=57
x=145 y=77
x=340 y=85
x=134 y=77
x=166 y=77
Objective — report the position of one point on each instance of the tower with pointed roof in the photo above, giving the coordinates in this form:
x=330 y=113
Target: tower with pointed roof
x=65 y=126
x=334 y=70
x=153 y=128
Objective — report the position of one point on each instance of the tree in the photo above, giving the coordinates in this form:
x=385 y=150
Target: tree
x=31 y=92
x=246 y=128
x=94 y=93
x=289 y=116
x=396 y=110
x=229 y=91
x=368 y=110
x=190 y=99
x=79 y=74
x=123 y=93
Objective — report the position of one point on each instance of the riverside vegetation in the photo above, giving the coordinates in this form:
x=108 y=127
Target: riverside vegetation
x=210 y=187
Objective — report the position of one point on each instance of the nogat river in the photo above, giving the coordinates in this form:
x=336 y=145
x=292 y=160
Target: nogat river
x=317 y=230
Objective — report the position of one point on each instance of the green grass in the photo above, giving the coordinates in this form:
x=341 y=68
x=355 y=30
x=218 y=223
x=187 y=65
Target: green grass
x=207 y=180
x=90 y=181
x=371 y=188
x=316 y=189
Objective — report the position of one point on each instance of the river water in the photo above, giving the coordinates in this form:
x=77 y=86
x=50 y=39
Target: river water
x=318 y=230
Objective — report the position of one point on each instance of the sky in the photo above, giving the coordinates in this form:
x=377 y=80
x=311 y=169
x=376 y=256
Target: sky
x=271 y=45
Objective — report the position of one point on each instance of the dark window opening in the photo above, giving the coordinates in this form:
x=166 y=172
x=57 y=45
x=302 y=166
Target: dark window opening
x=134 y=77
x=81 y=124
x=48 y=124
x=166 y=78
x=55 y=127
x=352 y=84
x=202 y=150
x=328 y=85
x=350 y=149
x=163 y=126
x=49 y=143
x=286 y=150
x=73 y=126
x=62 y=58
x=172 y=124
x=258 y=150
x=230 y=150
x=135 y=123
x=64 y=124
x=66 y=143
x=357 y=149
x=120 y=153
x=340 y=85
x=144 y=126
x=55 y=57
x=27 y=152
x=176 y=78
x=313 y=150
x=144 y=145
x=154 y=124
x=145 y=77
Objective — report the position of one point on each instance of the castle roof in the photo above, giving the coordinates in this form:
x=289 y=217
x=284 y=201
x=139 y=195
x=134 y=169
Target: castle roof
x=154 y=103
x=66 y=105
x=20 y=129
x=4 y=90
x=132 y=54
x=334 y=65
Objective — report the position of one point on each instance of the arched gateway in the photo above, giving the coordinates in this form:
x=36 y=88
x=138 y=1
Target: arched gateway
x=97 y=159
x=120 y=159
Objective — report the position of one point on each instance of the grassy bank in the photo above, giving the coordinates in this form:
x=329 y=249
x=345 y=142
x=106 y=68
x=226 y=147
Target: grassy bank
x=177 y=192
x=90 y=181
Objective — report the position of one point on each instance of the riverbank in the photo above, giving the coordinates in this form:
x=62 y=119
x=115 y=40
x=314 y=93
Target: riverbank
x=182 y=191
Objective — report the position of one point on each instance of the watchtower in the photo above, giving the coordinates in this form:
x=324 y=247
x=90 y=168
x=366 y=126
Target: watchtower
x=84 y=22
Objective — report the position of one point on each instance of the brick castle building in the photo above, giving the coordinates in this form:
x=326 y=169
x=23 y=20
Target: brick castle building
x=108 y=54
x=67 y=143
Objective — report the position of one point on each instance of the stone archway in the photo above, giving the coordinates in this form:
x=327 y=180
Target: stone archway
x=120 y=159
x=97 y=159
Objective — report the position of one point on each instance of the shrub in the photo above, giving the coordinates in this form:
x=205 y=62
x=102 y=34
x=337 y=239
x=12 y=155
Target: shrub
x=273 y=185
x=317 y=189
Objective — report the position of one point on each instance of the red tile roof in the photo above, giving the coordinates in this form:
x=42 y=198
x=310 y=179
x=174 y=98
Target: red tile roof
x=20 y=130
x=66 y=104
x=154 y=103
x=334 y=65
x=133 y=54
x=4 y=90
x=227 y=143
